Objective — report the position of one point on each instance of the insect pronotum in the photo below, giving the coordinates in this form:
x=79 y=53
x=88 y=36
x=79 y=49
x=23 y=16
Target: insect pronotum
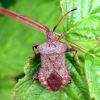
x=53 y=73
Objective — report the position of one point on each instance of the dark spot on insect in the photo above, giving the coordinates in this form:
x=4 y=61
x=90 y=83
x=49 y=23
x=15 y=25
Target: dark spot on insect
x=54 y=81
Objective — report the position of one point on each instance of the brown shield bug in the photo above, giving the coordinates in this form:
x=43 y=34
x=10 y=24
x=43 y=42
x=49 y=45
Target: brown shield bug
x=53 y=73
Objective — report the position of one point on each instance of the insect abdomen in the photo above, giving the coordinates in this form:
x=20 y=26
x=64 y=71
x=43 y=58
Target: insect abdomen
x=54 y=81
x=53 y=73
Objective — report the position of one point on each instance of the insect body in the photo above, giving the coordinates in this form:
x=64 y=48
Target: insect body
x=53 y=73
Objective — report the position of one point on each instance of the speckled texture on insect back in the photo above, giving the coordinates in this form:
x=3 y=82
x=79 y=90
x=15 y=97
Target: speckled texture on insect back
x=53 y=73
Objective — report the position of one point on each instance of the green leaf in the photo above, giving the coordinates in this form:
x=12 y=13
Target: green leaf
x=82 y=24
x=27 y=88
x=92 y=69
x=6 y=88
x=83 y=29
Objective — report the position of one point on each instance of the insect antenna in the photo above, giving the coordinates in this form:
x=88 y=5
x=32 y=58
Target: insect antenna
x=33 y=23
x=34 y=20
x=59 y=21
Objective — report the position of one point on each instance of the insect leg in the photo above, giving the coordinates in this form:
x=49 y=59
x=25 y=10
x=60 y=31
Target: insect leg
x=33 y=47
x=70 y=49
x=75 y=54
x=35 y=77
x=61 y=36
x=75 y=57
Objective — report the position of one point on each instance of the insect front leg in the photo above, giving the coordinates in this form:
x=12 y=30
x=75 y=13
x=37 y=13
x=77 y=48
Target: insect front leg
x=35 y=77
x=61 y=36
x=71 y=50
x=33 y=47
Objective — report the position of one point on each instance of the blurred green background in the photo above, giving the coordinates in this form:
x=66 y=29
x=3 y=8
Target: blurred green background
x=16 y=39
